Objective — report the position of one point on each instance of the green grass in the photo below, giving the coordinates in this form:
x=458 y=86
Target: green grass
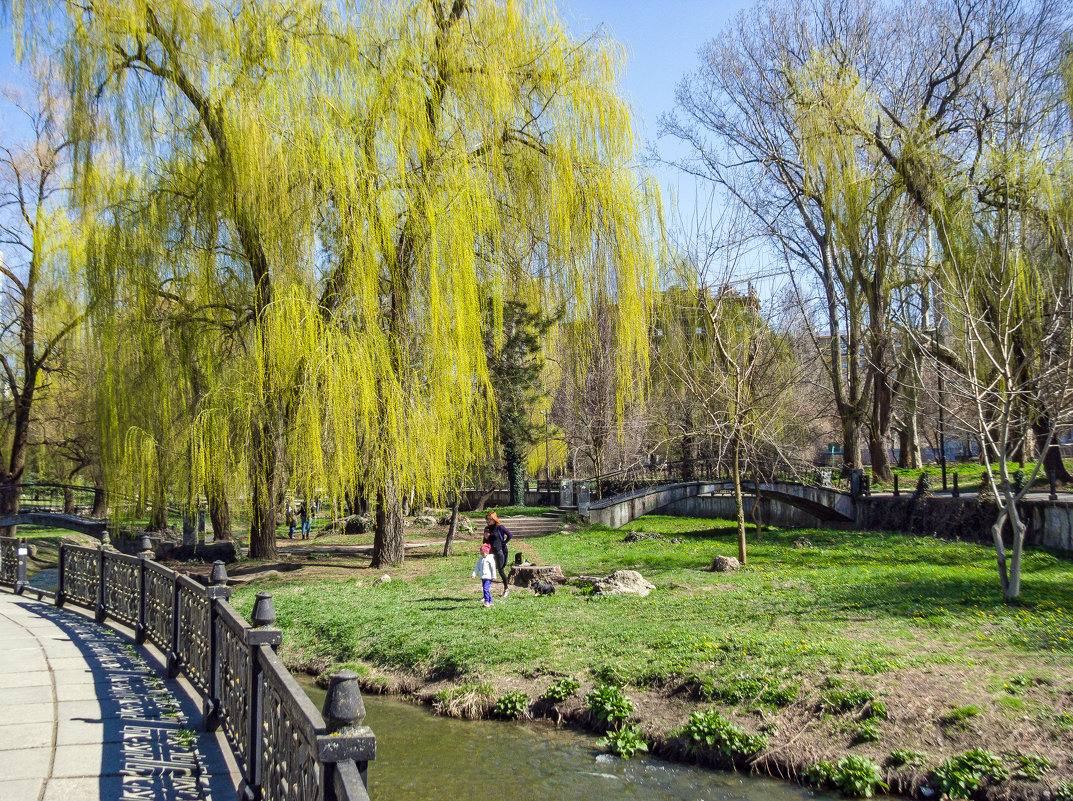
x=970 y=477
x=511 y=511
x=855 y=602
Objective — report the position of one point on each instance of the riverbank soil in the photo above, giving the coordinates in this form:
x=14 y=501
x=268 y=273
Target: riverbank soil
x=831 y=643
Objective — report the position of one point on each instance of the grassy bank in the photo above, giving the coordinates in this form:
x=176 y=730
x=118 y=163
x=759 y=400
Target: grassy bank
x=799 y=646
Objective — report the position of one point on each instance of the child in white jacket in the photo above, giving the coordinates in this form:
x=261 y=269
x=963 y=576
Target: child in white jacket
x=486 y=572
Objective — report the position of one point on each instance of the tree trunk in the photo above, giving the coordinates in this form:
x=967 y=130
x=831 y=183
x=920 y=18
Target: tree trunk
x=262 y=508
x=879 y=435
x=851 y=443
x=219 y=515
x=1052 y=456
x=68 y=501
x=1013 y=588
x=758 y=517
x=483 y=498
x=452 y=529
x=909 y=442
x=515 y=475
x=739 y=505
x=158 y=520
x=100 y=500
x=389 y=541
x=1000 y=551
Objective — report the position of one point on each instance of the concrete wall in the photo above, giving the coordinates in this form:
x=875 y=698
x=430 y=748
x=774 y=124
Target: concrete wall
x=619 y=514
x=722 y=507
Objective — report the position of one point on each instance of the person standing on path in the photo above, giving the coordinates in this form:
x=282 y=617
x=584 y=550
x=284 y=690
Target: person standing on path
x=497 y=536
x=304 y=512
x=486 y=572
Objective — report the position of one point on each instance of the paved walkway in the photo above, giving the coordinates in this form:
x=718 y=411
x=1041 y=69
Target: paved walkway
x=84 y=715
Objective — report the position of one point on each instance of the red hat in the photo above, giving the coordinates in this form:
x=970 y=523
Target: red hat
x=486 y=548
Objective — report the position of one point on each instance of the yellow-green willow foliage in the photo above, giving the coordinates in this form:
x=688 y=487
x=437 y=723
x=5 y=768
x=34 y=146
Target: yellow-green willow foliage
x=327 y=201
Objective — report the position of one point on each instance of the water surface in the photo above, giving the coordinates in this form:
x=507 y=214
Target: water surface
x=422 y=757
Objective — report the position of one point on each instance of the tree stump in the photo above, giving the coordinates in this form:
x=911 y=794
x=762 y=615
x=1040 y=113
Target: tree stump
x=525 y=575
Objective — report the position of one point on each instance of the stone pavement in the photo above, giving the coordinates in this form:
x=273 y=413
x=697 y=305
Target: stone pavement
x=85 y=715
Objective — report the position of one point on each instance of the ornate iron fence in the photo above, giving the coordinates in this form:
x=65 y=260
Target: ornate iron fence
x=285 y=748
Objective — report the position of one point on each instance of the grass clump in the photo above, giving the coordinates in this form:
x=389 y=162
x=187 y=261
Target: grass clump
x=855 y=776
x=838 y=697
x=609 y=704
x=511 y=706
x=961 y=776
x=1063 y=792
x=562 y=688
x=959 y=715
x=624 y=741
x=469 y=701
x=868 y=731
x=710 y=729
x=907 y=757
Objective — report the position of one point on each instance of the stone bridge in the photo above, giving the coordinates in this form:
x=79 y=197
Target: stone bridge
x=826 y=503
x=85 y=525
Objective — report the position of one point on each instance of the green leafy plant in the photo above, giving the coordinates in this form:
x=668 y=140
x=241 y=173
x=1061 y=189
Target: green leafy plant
x=186 y=737
x=1063 y=792
x=611 y=675
x=868 y=731
x=923 y=488
x=739 y=688
x=511 y=706
x=1032 y=767
x=858 y=777
x=821 y=774
x=877 y=710
x=709 y=728
x=782 y=695
x=907 y=756
x=609 y=703
x=625 y=741
x=563 y=688
x=855 y=776
x=961 y=776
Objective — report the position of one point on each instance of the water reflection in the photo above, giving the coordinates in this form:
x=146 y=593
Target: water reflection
x=421 y=757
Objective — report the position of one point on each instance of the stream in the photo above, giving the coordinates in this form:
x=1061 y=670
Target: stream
x=422 y=757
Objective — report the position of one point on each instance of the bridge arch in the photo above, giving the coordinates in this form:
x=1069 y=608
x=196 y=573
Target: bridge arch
x=83 y=525
x=824 y=503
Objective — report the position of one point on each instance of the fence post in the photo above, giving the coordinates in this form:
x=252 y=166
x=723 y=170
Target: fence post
x=102 y=611
x=176 y=621
x=217 y=591
x=347 y=739
x=956 y=491
x=262 y=617
x=60 y=598
x=145 y=553
x=21 y=552
x=895 y=485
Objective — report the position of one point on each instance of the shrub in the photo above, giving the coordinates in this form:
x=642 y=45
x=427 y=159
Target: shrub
x=511 y=706
x=907 y=756
x=1032 y=767
x=923 y=489
x=609 y=703
x=960 y=777
x=710 y=729
x=624 y=741
x=563 y=688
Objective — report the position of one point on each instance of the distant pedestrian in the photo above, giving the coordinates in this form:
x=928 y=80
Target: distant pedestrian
x=290 y=520
x=304 y=513
x=497 y=536
x=486 y=572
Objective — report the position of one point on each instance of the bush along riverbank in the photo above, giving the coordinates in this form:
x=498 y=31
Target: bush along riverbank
x=865 y=663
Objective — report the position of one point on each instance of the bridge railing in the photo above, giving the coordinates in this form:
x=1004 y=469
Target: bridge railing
x=644 y=475
x=284 y=746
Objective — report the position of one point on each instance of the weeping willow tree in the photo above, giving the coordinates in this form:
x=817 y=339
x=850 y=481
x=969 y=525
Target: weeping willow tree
x=330 y=202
